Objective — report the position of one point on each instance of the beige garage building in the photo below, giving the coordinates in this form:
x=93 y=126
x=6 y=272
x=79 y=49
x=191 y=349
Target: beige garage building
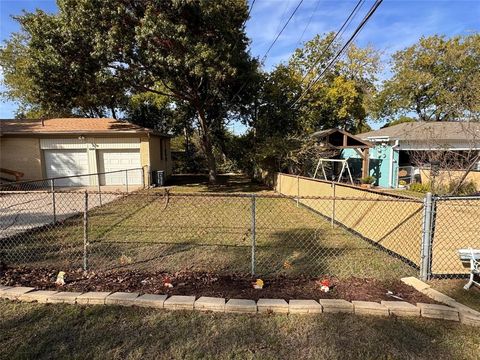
x=73 y=146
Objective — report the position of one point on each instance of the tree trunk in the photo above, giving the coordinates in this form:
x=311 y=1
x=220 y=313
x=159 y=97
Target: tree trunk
x=187 y=148
x=114 y=114
x=207 y=146
x=212 y=164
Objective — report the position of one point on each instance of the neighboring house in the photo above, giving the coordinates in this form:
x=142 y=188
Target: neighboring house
x=390 y=158
x=72 y=146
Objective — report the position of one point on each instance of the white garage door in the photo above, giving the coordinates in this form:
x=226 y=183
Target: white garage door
x=119 y=160
x=67 y=163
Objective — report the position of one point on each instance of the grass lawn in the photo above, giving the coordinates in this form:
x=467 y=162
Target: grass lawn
x=225 y=183
x=211 y=232
x=35 y=331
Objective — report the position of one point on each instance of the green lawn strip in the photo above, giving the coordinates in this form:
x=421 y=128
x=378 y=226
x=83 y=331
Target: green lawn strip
x=226 y=183
x=108 y=332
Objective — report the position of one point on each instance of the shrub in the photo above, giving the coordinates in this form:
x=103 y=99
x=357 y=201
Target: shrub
x=419 y=187
x=368 y=180
x=466 y=188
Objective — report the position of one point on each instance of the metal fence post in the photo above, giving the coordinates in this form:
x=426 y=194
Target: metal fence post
x=85 y=231
x=126 y=179
x=333 y=205
x=99 y=189
x=54 y=205
x=253 y=230
x=298 y=189
x=426 y=237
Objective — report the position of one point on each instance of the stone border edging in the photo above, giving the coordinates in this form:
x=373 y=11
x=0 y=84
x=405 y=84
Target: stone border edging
x=204 y=303
x=467 y=315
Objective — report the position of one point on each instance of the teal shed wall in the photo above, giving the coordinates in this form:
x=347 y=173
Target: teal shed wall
x=380 y=158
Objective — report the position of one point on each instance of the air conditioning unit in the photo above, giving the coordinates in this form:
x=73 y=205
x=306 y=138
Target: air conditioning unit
x=158 y=177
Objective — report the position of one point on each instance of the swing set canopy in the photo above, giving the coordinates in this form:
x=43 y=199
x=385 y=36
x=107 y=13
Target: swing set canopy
x=340 y=139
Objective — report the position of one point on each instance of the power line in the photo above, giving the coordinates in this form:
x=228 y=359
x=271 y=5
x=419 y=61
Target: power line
x=309 y=21
x=271 y=46
x=338 y=33
x=249 y=11
x=281 y=31
x=243 y=25
x=251 y=7
x=349 y=41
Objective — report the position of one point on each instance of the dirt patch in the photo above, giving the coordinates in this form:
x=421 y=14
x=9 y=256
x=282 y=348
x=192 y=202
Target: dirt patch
x=209 y=284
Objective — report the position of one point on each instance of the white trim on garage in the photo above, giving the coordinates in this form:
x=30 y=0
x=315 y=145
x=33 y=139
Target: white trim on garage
x=97 y=143
x=46 y=144
x=116 y=143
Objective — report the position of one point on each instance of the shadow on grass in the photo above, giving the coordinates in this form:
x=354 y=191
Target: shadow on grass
x=297 y=251
x=225 y=183
x=321 y=251
x=65 y=331
x=49 y=243
x=63 y=242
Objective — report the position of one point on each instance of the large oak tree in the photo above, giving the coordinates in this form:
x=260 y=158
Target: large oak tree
x=93 y=54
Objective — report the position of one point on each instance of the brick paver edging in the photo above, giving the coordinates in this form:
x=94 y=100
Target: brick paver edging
x=177 y=302
x=465 y=314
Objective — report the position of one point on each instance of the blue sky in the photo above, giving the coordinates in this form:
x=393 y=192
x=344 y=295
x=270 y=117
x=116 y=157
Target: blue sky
x=395 y=25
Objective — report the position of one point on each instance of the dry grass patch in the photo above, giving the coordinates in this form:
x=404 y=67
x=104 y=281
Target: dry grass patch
x=101 y=332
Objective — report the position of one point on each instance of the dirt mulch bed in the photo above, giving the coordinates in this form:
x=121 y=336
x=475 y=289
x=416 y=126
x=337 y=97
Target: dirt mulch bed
x=209 y=284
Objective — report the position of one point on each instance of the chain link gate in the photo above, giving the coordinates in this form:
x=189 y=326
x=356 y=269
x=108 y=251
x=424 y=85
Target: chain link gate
x=452 y=225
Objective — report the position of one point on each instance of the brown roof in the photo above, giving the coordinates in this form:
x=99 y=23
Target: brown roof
x=341 y=139
x=425 y=131
x=70 y=126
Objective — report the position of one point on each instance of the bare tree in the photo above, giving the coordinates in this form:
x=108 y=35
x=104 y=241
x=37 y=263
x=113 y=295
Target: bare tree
x=447 y=162
x=303 y=160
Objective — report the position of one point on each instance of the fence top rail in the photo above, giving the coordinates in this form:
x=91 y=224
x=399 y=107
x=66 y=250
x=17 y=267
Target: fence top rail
x=372 y=191
x=22 y=192
x=17 y=183
x=149 y=193
x=466 y=197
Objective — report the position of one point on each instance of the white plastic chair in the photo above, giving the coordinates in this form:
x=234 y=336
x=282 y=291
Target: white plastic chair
x=473 y=256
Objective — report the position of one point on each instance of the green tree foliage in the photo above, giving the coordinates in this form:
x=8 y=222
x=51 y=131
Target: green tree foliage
x=400 y=120
x=342 y=98
x=157 y=112
x=93 y=53
x=58 y=73
x=438 y=79
x=343 y=95
x=15 y=62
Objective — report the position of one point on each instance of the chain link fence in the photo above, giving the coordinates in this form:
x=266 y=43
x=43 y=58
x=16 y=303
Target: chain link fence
x=455 y=226
x=119 y=180
x=152 y=229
